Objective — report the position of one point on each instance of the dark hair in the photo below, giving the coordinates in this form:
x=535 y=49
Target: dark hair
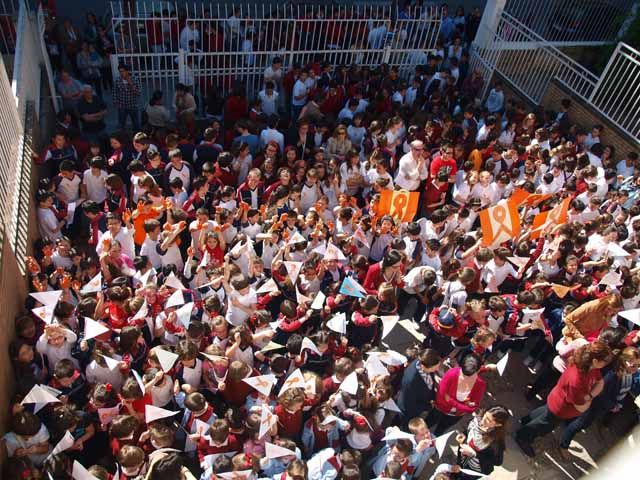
x=470 y=364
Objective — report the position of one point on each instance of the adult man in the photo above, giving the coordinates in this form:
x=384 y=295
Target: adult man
x=271 y=134
x=92 y=111
x=189 y=34
x=495 y=100
x=115 y=231
x=413 y=168
x=251 y=190
x=299 y=94
x=126 y=93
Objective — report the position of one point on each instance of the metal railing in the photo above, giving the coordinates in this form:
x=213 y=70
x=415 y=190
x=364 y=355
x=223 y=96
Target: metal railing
x=617 y=94
x=567 y=22
x=529 y=62
x=236 y=43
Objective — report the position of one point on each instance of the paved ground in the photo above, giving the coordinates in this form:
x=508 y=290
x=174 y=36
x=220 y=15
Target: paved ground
x=588 y=449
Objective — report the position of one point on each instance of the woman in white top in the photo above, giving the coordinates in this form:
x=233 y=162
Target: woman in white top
x=462 y=193
x=242 y=300
x=352 y=174
x=242 y=162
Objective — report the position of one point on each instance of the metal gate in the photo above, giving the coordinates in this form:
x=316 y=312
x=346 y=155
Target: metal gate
x=227 y=44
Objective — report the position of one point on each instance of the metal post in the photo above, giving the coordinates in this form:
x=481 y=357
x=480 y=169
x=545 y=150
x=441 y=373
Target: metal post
x=489 y=23
x=605 y=72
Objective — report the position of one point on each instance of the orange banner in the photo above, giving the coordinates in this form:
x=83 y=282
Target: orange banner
x=499 y=223
x=556 y=216
x=399 y=204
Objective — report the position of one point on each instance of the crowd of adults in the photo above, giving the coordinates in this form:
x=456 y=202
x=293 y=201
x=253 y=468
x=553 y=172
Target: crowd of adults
x=230 y=298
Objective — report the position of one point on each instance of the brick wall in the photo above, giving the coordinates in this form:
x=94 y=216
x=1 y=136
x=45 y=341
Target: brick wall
x=586 y=116
x=580 y=113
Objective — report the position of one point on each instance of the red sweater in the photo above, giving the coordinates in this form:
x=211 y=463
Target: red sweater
x=289 y=424
x=375 y=278
x=449 y=386
x=205 y=448
x=571 y=390
x=457 y=331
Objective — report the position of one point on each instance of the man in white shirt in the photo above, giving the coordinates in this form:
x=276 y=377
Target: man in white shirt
x=93 y=181
x=299 y=94
x=271 y=134
x=348 y=111
x=189 y=34
x=115 y=231
x=627 y=166
x=269 y=98
x=413 y=168
x=377 y=36
x=274 y=73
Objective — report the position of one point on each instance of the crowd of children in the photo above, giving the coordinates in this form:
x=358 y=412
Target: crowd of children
x=236 y=302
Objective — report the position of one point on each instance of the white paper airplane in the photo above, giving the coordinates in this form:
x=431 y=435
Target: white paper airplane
x=338 y=323
x=94 y=285
x=151 y=413
x=93 y=329
x=175 y=300
x=502 y=364
x=173 y=282
x=350 y=384
x=44 y=313
x=318 y=301
x=307 y=344
x=268 y=287
x=295 y=380
x=262 y=383
x=184 y=314
x=49 y=299
x=293 y=269
x=166 y=359
x=81 y=473
x=441 y=442
x=276 y=451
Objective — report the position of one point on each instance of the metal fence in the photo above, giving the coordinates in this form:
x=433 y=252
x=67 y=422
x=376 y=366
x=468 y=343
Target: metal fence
x=617 y=94
x=566 y=22
x=529 y=62
x=230 y=43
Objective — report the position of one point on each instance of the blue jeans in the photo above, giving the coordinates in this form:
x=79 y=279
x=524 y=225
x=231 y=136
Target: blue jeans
x=123 y=113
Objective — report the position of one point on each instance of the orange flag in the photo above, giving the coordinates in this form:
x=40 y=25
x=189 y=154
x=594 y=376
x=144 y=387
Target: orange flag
x=519 y=196
x=556 y=216
x=560 y=290
x=537 y=198
x=499 y=223
x=400 y=204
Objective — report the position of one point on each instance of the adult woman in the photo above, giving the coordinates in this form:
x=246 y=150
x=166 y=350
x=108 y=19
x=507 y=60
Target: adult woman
x=352 y=174
x=572 y=395
x=482 y=448
x=339 y=144
x=70 y=90
x=460 y=392
x=388 y=270
x=591 y=317
x=157 y=113
x=617 y=384
x=114 y=263
x=284 y=179
x=89 y=62
x=185 y=106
